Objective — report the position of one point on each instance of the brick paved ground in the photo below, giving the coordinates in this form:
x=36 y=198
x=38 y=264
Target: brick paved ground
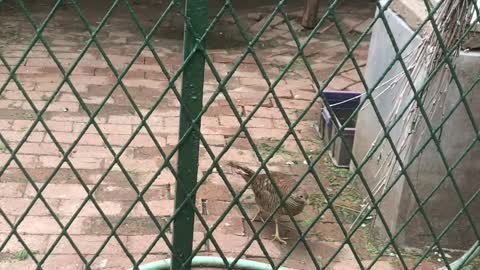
x=92 y=80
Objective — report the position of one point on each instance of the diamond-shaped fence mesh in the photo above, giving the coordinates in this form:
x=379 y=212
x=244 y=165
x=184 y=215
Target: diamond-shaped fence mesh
x=229 y=134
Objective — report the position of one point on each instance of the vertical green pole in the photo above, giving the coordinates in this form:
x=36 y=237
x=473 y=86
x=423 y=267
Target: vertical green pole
x=192 y=95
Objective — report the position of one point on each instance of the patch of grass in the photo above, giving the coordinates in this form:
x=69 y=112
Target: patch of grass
x=69 y=178
x=271 y=43
x=352 y=196
x=371 y=248
x=306 y=223
x=473 y=265
x=373 y=243
x=300 y=64
x=27 y=116
x=338 y=178
x=3 y=148
x=344 y=173
x=348 y=215
x=317 y=141
x=286 y=155
x=317 y=201
x=341 y=172
x=348 y=202
x=21 y=255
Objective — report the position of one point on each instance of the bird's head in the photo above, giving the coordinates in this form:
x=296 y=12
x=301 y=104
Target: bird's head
x=300 y=196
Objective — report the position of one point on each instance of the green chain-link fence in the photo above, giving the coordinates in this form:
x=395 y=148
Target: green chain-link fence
x=194 y=105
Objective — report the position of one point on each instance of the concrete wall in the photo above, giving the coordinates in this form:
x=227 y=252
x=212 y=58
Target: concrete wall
x=428 y=168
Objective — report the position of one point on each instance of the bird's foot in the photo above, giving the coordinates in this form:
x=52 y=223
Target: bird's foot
x=276 y=237
x=257 y=216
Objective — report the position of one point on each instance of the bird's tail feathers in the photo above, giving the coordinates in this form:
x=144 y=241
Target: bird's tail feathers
x=245 y=172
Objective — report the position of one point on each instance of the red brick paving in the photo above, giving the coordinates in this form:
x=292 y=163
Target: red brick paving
x=117 y=120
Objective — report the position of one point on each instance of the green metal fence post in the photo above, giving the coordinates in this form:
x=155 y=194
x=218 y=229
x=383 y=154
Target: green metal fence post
x=192 y=95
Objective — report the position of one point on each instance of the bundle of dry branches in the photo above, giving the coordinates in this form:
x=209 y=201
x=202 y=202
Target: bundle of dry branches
x=449 y=23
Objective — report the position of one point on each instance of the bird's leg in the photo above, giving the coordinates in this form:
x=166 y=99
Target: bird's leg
x=257 y=214
x=276 y=236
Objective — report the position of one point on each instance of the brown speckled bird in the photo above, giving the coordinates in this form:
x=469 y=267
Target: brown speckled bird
x=267 y=198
